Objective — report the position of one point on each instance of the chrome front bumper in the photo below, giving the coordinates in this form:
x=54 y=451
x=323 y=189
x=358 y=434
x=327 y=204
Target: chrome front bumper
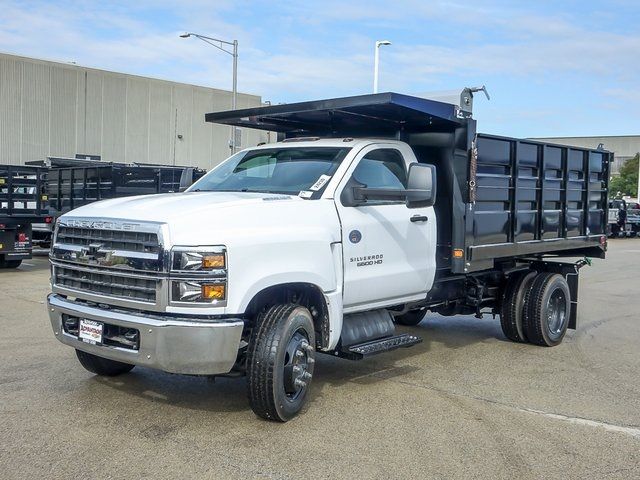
x=169 y=344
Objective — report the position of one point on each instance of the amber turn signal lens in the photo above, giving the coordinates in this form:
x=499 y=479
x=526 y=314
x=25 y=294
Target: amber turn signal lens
x=213 y=292
x=457 y=253
x=215 y=260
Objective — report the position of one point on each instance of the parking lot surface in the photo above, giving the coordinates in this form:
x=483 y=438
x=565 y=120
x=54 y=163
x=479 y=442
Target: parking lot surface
x=466 y=403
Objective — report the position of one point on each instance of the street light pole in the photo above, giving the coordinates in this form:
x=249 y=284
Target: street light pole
x=219 y=44
x=376 y=62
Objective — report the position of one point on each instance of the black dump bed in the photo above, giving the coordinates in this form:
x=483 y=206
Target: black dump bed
x=532 y=197
x=499 y=198
x=72 y=187
x=22 y=194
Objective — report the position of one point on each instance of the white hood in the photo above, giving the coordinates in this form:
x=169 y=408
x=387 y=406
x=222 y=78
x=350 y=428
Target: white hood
x=218 y=217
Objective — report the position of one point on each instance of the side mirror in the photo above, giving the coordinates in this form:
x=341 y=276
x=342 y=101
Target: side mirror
x=421 y=185
x=420 y=191
x=351 y=196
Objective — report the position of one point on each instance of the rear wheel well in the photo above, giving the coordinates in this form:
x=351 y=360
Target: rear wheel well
x=305 y=294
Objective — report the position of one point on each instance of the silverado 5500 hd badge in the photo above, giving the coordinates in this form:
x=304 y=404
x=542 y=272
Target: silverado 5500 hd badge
x=367 y=260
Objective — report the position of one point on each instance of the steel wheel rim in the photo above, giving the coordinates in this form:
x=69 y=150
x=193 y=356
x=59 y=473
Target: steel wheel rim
x=297 y=370
x=556 y=312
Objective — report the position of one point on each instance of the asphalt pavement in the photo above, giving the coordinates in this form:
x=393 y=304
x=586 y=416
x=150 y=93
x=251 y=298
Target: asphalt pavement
x=465 y=403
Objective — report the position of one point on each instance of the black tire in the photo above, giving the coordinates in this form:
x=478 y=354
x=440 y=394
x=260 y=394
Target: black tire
x=411 y=318
x=278 y=376
x=547 y=309
x=9 y=263
x=512 y=308
x=615 y=231
x=102 y=366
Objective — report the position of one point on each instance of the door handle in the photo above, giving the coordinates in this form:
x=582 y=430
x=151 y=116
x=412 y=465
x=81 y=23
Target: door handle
x=419 y=218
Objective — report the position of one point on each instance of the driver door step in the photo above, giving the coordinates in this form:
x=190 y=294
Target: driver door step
x=362 y=350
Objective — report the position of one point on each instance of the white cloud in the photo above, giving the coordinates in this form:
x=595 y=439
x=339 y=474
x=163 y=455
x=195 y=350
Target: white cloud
x=309 y=50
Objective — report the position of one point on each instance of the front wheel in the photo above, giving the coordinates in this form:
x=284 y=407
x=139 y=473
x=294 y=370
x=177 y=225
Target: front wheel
x=280 y=362
x=102 y=366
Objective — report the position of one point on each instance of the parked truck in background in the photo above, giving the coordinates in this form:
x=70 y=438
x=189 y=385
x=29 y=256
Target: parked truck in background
x=22 y=203
x=624 y=217
x=74 y=182
x=371 y=211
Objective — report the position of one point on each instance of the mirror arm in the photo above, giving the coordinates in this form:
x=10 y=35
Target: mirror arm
x=379 y=194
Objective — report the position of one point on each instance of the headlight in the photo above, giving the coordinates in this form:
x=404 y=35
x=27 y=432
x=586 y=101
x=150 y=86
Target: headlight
x=198 y=259
x=198 y=291
x=198 y=276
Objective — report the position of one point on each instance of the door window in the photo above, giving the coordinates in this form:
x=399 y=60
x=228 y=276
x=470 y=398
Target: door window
x=382 y=168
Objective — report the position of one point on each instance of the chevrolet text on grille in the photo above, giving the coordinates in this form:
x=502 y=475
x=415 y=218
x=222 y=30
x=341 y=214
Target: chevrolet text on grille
x=100 y=225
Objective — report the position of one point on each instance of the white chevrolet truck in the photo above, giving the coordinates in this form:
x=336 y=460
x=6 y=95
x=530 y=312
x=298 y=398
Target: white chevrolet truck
x=369 y=212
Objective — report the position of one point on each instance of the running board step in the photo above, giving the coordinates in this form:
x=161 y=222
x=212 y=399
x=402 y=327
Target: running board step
x=362 y=350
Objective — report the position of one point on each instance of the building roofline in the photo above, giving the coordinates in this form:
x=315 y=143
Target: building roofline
x=71 y=65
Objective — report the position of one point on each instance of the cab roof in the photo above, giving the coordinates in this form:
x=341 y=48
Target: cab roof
x=341 y=142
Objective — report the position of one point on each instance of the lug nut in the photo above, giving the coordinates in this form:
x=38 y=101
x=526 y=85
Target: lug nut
x=299 y=383
x=297 y=369
x=306 y=376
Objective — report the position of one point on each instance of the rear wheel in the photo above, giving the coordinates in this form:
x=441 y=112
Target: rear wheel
x=102 y=366
x=547 y=309
x=411 y=318
x=512 y=308
x=280 y=362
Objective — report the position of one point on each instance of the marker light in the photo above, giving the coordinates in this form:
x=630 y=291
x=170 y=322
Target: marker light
x=213 y=292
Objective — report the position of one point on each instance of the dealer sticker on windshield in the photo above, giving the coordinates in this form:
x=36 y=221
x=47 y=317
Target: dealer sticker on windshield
x=321 y=182
x=305 y=194
x=90 y=331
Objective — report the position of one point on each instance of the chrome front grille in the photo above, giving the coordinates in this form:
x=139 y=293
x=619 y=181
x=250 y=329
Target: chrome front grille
x=111 y=284
x=110 y=261
x=143 y=242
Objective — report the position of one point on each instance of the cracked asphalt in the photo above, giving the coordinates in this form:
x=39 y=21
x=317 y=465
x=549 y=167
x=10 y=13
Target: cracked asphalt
x=465 y=403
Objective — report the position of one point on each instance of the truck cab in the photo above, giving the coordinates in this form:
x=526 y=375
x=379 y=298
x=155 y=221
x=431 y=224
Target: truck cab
x=323 y=243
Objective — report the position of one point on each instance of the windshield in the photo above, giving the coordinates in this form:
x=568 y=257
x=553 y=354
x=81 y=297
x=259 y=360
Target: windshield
x=292 y=171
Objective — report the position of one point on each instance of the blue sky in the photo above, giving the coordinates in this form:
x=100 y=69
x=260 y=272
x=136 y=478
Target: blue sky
x=552 y=68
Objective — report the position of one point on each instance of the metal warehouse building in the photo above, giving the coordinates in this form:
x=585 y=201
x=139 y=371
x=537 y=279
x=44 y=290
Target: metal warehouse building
x=624 y=147
x=57 y=109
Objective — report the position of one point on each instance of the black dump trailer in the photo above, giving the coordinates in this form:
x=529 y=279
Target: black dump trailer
x=74 y=186
x=23 y=201
x=507 y=208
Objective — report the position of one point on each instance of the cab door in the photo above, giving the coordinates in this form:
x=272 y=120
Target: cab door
x=388 y=248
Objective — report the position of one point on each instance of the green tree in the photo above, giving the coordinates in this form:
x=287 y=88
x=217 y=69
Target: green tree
x=627 y=182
